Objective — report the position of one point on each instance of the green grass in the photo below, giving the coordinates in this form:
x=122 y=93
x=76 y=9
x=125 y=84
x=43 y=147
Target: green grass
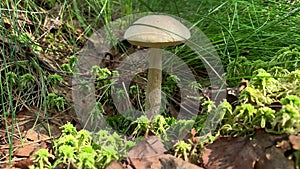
x=258 y=28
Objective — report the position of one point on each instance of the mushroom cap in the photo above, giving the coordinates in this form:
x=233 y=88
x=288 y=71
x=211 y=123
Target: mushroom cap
x=157 y=31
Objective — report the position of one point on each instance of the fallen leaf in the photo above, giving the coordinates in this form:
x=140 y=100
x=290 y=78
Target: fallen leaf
x=24 y=164
x=25 y=151
x=146 y=152
x=32 y=135
x=269 y=155
x=171 y=162
x=151 y=146
x=295 y=140
x=114 y=165
x=274 y=158
x=162 y=161
x=229 y=153
x=236 y=153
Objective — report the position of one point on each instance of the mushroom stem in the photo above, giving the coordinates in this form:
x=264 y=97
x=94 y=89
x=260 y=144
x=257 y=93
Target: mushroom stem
x=153 y=91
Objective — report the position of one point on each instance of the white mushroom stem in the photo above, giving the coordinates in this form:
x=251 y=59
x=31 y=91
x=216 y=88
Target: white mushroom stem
x=153 y=91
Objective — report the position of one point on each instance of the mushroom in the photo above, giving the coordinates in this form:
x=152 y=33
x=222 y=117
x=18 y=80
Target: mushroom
x=155 y=32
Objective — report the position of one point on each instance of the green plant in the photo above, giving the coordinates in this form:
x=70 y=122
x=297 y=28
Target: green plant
x=41 y=159
x=36 y=43
x=288 y=57
x=68 y=67
x=142 y=125
x=101 y=74
x=55 y=79
x=263 y=81
x=245 y=114
x=213 y=116
x=119 y=123
x=296 y=154
x=179 y=130
x=261 y=90
x=66 y=154
x=83 y=138
x=159 y=125
x=12 y=78
x=26 y=81
x=106 y=155
x=103 y=80
x=54 y=101
x=68 y=129
x=264 y=117
x=87 y=158
x=84 y=149
x=111 y=147
x=169 y=84
x=292 y=100
x=277 y=71
x=133 y=89
x=239 y=67
x=256 y=102
x=288 y=118
x=182 y=149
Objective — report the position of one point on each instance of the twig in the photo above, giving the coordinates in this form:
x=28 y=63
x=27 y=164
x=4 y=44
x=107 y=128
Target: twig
x=22 y=11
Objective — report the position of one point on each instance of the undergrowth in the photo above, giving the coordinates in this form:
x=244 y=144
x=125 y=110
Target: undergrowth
x=263 y=104
x=82 y=149
x=40 y=41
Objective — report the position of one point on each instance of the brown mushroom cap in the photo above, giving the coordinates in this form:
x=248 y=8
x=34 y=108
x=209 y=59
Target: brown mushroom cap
x=157 y=31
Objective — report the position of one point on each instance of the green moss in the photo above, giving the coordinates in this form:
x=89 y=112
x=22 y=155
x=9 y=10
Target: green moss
x=83 y=149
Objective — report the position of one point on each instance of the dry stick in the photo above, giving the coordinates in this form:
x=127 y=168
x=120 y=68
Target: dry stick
x=12 y=160
x=22 y=11
x=26 y=144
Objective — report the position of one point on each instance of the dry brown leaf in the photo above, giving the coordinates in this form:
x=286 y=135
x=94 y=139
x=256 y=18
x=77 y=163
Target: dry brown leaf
x=236 y=153
x=24 y=164
x=143 y=163
x=295 y=140
x=146 y=152
x=114 y=165
x=171 y=162
x=162 y=161
x=26 y=150
x=151 y=146
x=149 y=154
x=32 y=135
x=229 y=153
x=269 y=155
x=274 y=158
